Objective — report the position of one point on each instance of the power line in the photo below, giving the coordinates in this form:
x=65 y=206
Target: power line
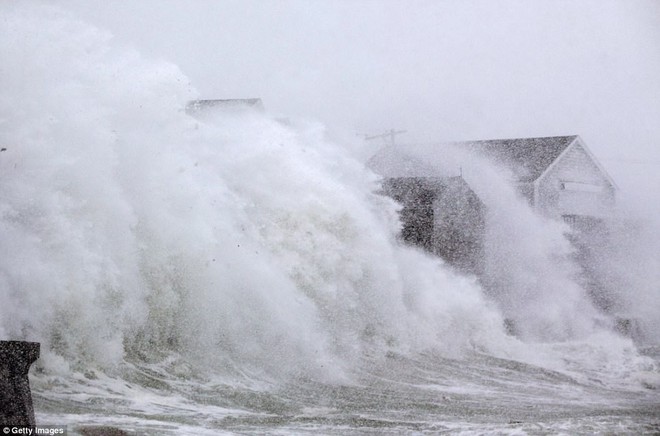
x=391 y=135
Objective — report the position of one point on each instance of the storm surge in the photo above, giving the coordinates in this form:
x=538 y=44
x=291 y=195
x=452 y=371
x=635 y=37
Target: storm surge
x=234 y=245
x=130 y=227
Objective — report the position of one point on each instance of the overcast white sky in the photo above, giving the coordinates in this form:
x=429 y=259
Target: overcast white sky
x=443 y=70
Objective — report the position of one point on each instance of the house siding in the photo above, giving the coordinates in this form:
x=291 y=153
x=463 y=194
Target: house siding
x=526 y=190
x=458 y=230
x=559 y=191
x=443 y=216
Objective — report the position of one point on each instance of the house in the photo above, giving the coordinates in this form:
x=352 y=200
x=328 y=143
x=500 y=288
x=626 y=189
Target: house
x=558 y=176
x=441 y=215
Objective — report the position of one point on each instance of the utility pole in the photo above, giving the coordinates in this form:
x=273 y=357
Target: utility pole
x=391 y=135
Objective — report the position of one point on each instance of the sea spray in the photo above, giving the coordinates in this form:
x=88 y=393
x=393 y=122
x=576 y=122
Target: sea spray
x=131 y=229
x=529 y=269
x=183 y=273
x=626 y=263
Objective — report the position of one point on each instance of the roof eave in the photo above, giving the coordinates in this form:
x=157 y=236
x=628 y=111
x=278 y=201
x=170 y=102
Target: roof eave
x=557 y=159
x=576 y=140
x=595 y=161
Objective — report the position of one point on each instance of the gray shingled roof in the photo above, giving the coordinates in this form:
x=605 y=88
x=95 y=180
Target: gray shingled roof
x=233 y=103
x=527 y=157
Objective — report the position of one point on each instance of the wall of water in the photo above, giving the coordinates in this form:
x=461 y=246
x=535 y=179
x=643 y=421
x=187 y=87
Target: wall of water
x=129 y=227
x=131 y=231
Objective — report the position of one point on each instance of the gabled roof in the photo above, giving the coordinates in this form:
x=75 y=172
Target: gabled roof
x=435 y=184
x=527 y=157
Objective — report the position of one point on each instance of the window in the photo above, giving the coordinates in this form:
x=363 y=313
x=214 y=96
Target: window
x=580 y=187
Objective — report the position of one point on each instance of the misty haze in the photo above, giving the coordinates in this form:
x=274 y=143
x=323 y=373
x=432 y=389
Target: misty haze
x=306 y=217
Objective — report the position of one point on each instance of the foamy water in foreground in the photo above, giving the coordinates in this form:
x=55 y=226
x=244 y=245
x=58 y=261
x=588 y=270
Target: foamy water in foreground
x=235 y=274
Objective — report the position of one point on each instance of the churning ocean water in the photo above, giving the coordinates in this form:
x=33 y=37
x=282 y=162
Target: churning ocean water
x=233 y=274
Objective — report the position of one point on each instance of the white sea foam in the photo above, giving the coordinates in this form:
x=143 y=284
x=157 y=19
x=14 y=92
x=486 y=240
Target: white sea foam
x=129 y=225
